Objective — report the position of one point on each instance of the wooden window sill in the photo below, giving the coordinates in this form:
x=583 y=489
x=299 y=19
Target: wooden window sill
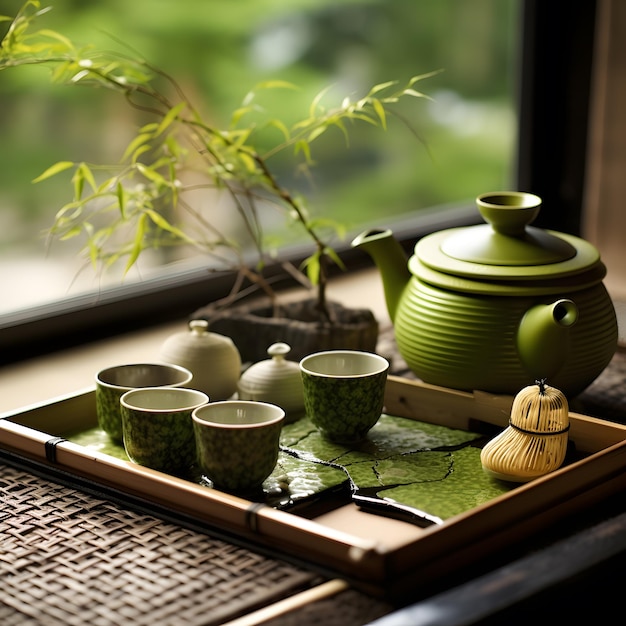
x=39 y=379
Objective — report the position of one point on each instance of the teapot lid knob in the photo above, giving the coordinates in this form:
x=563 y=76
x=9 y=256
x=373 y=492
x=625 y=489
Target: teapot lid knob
x=507 y=241
x=278 y=350
x=509 y=212
x=198 y=327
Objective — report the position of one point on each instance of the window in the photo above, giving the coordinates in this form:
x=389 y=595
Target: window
x=604 y=219
x=471 y=128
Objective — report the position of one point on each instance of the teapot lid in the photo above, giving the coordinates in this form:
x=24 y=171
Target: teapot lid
x=274 y=380
x=508 y=248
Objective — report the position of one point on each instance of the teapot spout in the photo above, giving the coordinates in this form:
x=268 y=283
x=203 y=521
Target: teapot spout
x=389 y=257
x=543 y=337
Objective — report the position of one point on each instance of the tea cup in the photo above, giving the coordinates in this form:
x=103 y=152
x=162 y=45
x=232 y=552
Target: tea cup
x=237 y=442
x=344 y=392
x=157 y=428
x=113 y=382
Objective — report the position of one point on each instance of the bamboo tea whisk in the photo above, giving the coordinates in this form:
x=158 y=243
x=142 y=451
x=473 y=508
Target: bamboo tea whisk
x=535 y=442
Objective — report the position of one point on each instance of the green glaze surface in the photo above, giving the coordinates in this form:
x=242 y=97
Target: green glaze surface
x=467 y=341
x=163 y=441
x=344 y=409
x=432 y=468
x=113 y=382
x=237 y=459
x=476 y=252
x=97 y=440
x=458 y=303
x=108 y=408
x=464 y=486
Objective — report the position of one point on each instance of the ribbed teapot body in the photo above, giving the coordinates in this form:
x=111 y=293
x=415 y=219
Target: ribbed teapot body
x=469 y=341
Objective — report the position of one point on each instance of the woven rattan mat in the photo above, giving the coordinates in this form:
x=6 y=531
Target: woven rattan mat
x=70 y=558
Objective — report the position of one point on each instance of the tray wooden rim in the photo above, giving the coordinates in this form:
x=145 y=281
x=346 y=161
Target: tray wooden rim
x=436 y=549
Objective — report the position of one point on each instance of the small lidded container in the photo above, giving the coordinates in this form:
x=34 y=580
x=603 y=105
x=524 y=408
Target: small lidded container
x=212 y=358
x=275 y=380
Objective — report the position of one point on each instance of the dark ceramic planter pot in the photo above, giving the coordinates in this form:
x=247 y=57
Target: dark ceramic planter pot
x=254 y=328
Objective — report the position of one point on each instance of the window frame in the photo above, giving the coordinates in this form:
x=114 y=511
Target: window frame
x=554 y=82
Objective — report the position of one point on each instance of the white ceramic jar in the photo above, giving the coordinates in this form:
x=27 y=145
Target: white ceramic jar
x=275 y=380
x=213 y=359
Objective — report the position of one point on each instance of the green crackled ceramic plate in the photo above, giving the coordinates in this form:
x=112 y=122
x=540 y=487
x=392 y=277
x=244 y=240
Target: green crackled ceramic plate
x=424 y=472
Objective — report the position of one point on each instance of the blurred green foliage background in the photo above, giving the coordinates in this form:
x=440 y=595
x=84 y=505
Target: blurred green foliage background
x=219 y=49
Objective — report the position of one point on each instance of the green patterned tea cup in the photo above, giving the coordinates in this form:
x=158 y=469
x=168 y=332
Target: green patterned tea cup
x=156 y=423
x=344 y=392
x=113 y=382
x=237 y=442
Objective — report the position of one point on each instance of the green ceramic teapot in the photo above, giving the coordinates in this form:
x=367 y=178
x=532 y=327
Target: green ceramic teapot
x=498 y=305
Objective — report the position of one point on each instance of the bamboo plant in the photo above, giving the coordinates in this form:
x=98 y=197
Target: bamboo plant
x=141 y=202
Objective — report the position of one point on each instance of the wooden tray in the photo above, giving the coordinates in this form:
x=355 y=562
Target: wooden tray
x=382 y=555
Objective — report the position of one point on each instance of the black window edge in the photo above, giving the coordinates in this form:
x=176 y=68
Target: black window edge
x=555 y=82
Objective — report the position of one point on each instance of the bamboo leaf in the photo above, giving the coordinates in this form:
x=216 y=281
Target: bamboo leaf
x=317 y=100
x=316 y=132
x=419 y=77
x=415 y=94
x=313 y=267
x=61 y=73
x=138 y=141
x=71 y=233
x=53 y=170
x=94 y=252
x=380 y=111
x=277 y=84
x=309 y=121
x=137 y=242
x=170 y=117
x=121 y=199
x=163 y=224
x=239 y=137
x=175 y=184
x=151 y=174
x=149 y=128
x=341 y=126
x=281 y=126
x=364 y=117
x=52 y=34
x=79 y=183
x=382 y=87
x=176 y=151
x=139 y=152
x=248 y=161
x=335 y=257
x=339 y=229
x=88 y=175
x=304 y=147
x=239 y=113
x=62 y=213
